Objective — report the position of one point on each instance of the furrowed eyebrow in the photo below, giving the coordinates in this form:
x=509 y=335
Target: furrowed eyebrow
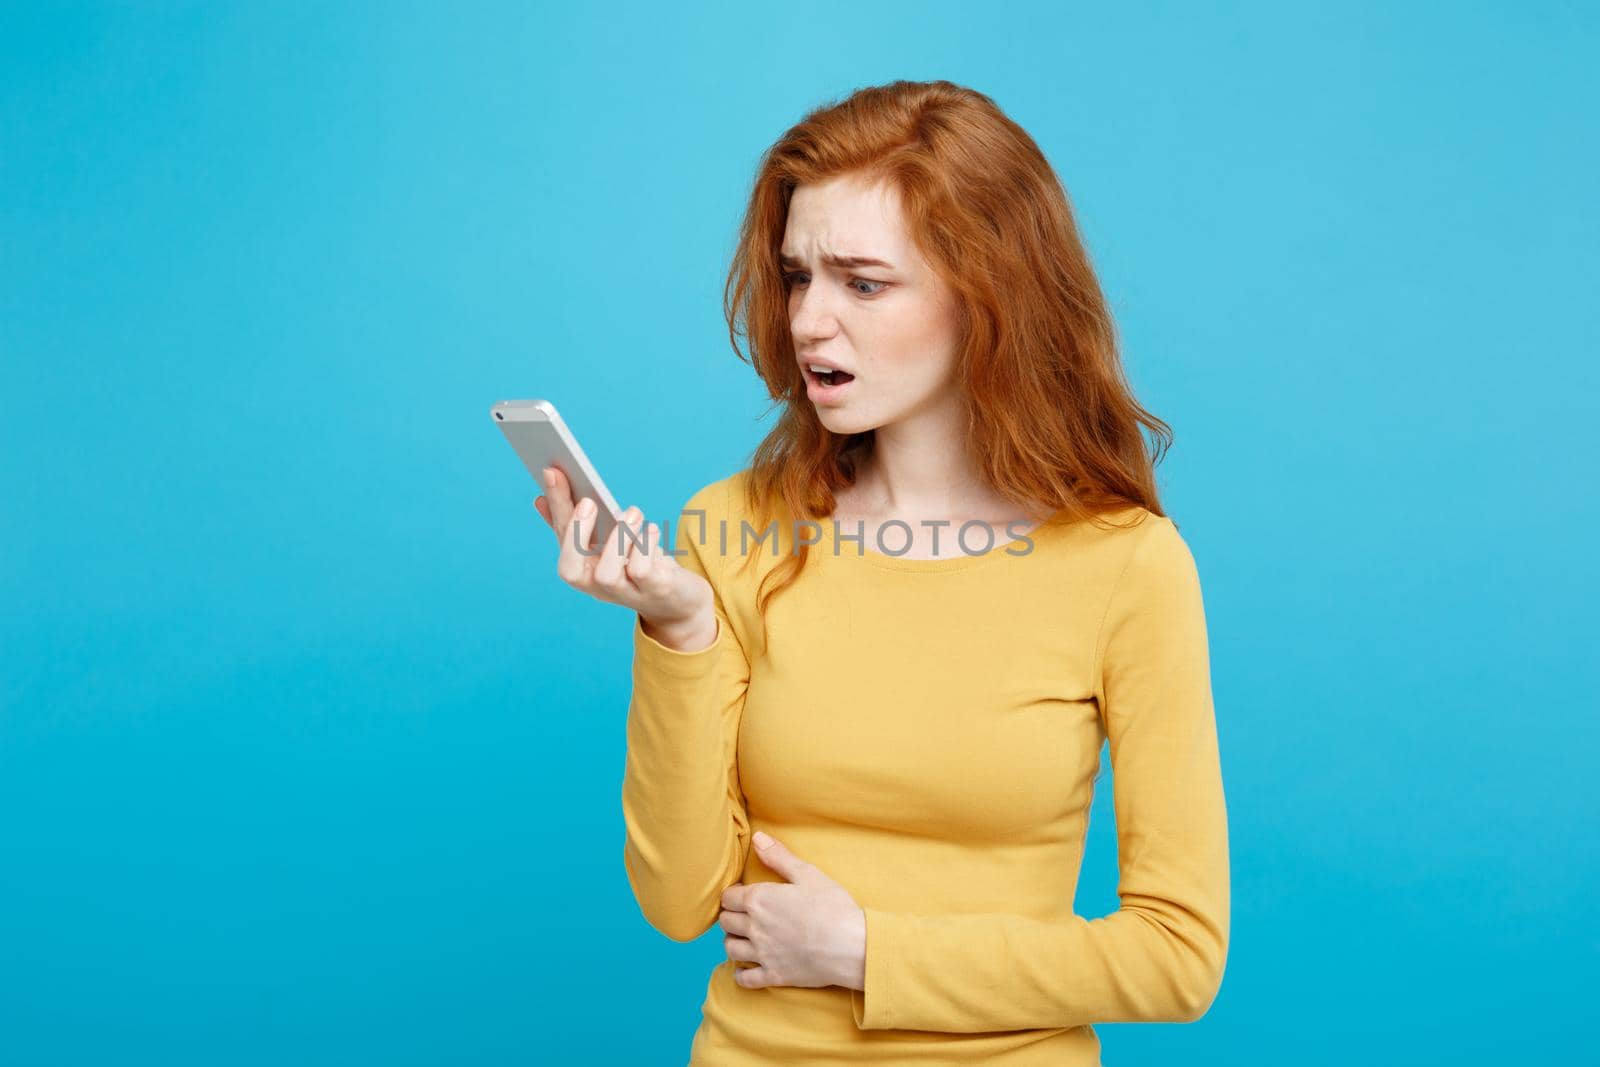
x=837 y=261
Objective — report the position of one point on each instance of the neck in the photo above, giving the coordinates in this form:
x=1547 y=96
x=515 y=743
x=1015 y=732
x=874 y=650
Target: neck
x=921 y=467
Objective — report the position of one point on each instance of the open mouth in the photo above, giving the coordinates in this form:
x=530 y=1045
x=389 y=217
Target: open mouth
x=832 y=377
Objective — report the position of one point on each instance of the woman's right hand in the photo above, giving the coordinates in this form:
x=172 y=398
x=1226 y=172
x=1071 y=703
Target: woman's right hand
x=674 y=604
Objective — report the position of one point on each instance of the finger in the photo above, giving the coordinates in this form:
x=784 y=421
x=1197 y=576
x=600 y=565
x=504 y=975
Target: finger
x=733 y=897
x=640 y=548
x=669 y=547
x=647 y=565
x=738 y=948
x=608 y=571
x=559 y=492
x=588 y=520
x=658 y=549
x=737 y=923
x=776 y=855
x=574 y=566
x=542 y=506
x=751 y=977
x=568 y=563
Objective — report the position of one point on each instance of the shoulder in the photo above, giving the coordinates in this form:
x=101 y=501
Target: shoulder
x=729 y=497
x=1155 y=600
x=1155 y=541
x=716 y=498
x=1130 y=553
x=1122 y=536
x=1155 y=566
x=715 y=509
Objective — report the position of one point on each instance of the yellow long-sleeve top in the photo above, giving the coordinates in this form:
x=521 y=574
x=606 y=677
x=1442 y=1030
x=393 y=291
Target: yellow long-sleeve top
x=928 y=732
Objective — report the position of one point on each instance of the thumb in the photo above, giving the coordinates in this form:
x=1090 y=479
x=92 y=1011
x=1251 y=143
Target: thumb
x=780 y=859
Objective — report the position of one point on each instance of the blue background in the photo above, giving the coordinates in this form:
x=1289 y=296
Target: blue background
x=307 y=756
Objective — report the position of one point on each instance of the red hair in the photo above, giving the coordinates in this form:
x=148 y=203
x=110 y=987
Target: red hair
x=1051 y=418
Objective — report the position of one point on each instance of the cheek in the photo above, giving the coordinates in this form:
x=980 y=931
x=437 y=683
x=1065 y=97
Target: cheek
x=918 y=350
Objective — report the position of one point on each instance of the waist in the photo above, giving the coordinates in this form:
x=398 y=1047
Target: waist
x=791 y=1025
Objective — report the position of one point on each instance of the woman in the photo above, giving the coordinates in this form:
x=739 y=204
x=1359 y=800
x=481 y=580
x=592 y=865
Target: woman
x=915 y=721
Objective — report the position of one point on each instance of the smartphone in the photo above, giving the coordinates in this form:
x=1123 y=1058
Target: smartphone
x=541 y=439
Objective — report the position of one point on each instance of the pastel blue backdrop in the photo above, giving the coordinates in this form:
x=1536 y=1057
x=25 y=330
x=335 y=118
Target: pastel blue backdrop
x=308 y=757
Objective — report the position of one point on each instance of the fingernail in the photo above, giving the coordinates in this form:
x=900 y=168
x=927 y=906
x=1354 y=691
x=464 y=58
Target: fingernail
x=585 y=506
x=549 y=478
x=762 y=840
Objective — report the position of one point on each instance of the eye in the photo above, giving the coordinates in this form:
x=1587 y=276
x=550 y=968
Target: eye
x=791 y=279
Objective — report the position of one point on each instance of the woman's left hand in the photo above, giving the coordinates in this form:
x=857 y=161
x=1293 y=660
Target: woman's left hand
x=806 y=932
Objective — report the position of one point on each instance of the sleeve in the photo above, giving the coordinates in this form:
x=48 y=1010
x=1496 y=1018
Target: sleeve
x=1160 y=956
x=687 y=830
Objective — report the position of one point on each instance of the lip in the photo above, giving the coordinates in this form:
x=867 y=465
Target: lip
x=806 y=361
x=823 y=394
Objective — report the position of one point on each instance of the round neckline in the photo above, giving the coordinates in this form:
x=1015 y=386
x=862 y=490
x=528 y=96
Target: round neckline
x=863 y=554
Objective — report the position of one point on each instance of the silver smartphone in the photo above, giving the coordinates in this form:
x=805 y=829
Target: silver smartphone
x=541 y=439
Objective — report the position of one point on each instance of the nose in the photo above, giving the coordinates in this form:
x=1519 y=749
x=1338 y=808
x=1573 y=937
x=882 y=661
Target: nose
x=813 y=318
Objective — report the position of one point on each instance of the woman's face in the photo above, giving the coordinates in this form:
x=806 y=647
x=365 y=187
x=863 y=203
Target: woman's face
x=891 y=324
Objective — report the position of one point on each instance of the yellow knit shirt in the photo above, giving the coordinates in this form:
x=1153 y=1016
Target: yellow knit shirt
x=928 y=733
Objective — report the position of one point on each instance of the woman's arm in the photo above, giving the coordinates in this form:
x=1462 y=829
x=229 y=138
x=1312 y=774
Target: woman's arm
x=687 y=830
x=1160 y=956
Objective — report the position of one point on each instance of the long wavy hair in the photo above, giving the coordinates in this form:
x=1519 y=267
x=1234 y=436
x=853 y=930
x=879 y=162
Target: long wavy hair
x=1051 y=418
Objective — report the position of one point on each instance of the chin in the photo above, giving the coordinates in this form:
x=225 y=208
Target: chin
x=843 y=421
